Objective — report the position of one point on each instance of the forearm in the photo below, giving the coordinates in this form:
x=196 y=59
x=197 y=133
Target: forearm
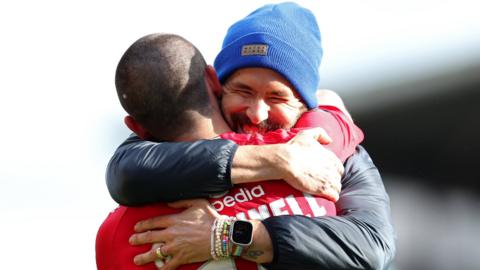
x=142 y=172
x=361 y=237
x=261 y=250
x=253 y=163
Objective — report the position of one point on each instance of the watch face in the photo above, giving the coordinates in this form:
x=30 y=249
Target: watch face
x=242 y=232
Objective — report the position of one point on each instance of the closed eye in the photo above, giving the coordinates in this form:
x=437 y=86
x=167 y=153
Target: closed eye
x=243 y=92
x=277 y=99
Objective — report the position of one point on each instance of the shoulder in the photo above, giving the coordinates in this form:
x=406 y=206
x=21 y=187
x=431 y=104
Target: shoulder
x=360 y=160
x=328 y=97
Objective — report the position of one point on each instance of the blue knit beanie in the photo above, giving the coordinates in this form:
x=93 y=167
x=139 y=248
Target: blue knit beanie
x=283 y=37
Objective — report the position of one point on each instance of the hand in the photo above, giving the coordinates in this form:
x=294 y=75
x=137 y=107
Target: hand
x=186 y=235
x=318 y=133
x=310 y=167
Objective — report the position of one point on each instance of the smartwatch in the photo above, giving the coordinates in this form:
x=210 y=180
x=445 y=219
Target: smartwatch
x=241 y=236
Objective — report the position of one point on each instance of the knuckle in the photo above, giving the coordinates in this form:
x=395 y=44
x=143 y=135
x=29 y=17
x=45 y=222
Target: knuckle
x=145 y=225
x=152 y=254
x=170 y=219
x=148 y=236
x=170 y=235
x=336 y=186
x=157 y=221
x=170 y=250
x=204 y=204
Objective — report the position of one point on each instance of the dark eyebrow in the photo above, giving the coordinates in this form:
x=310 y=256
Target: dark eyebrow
x=278 y=92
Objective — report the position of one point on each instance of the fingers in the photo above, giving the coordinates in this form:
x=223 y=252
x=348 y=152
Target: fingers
x=323 y=137
x=147 y=237
x=329 y=187
x=336 y=163
x=153 y=256
x=172 y=264
x=149 y=256
x=311 y=132
x=334 y=179
x=145 y=258
x=331 y=193
x=318 y=134
x=340 y=168
x=332 y=171
x=166 y=221
x=159 y=222
x=333 y=182
x=335 y=196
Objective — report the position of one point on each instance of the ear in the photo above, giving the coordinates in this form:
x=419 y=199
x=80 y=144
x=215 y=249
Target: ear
x=212 y=81
x=136 y=127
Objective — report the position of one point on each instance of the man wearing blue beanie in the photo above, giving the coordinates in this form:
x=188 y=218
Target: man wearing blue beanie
x=268 y=66
x=284 y=38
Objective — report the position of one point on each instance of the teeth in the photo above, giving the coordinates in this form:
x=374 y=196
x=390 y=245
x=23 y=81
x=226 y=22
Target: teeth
x=250 y=129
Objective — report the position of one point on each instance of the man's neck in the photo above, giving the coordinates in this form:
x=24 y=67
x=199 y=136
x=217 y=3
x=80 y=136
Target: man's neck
x=206 y=128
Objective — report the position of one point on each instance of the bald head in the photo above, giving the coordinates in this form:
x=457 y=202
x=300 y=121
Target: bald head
x=160 y=81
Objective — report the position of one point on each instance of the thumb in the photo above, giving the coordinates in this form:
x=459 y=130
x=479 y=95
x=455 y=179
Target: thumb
x=318 y=134
x=323 y=137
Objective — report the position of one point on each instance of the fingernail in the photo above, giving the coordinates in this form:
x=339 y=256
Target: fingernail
x=131 y=240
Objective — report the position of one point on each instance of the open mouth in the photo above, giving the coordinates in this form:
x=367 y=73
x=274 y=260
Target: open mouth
x=251 y=129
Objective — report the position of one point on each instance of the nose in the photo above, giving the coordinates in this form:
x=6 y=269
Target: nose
x=258 y=111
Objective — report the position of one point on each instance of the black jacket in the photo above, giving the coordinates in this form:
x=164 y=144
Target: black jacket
x=360 y=237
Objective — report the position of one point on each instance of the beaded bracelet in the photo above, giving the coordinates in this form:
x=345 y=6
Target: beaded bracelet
x=220 y=246
x=212 y=240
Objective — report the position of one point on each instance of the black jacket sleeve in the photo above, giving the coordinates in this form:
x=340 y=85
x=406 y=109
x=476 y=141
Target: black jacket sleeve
x=142 y=172
x=360 y=237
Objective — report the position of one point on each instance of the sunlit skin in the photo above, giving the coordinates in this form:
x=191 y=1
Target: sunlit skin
x=253 y=100
x=259 y=100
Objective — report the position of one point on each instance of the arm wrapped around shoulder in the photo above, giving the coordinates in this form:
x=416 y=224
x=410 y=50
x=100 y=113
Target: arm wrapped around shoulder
x=142 y=172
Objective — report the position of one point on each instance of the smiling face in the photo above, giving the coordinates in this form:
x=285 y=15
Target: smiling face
x=259 y=100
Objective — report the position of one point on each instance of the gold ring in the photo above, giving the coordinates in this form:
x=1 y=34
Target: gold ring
x=159 y=253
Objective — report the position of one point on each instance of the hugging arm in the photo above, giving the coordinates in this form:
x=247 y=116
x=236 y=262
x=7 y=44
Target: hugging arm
x=142 y=172
x=360 y=237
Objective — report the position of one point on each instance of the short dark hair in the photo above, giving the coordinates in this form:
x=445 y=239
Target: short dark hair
x=159 y=80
